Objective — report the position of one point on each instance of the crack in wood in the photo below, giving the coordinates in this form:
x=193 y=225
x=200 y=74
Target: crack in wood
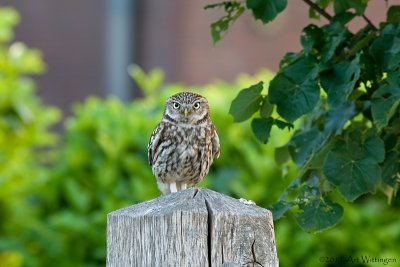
x=213 y=228
x=222 y=253
x=253 y=261
x=196 y=190
x=182 y=233
x=254 y=253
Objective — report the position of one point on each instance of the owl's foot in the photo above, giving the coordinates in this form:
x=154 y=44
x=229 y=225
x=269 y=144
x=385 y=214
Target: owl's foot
x=172 y=187
x=183 y=186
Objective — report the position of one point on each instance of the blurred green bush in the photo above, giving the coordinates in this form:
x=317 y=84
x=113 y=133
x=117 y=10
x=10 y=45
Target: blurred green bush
x=55 y=190
x=103 y=166
x=26 y=148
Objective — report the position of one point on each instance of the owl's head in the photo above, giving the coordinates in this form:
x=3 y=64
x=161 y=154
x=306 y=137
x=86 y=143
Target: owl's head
x=186 y=108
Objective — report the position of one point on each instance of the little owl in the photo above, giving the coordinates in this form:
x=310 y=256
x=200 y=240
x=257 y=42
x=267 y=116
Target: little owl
x=183 y=144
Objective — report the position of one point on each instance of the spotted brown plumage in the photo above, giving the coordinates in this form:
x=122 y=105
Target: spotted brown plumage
x=183 y=145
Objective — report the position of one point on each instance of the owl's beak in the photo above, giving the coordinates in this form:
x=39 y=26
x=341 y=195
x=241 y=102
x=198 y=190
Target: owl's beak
x=186 y=112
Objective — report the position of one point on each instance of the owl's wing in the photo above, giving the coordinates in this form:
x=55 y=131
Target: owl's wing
x=154 y=142
x=215 y=143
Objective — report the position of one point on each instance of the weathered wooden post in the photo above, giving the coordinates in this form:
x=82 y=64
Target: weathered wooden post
x=194 y=227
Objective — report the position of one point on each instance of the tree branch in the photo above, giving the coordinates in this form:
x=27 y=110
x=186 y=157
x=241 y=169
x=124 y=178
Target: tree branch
x=361 y=44
x=369 y=22
x=321 y=11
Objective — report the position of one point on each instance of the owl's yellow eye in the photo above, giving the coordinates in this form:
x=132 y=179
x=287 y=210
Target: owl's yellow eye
x=176 y=105
x=196 y=105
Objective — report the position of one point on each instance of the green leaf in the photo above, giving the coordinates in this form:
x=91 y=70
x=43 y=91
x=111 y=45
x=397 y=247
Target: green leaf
x=288 y=58
x=293 y=100
x=393 y=14
x=343 y=18
x=261 y=128
x=353 y=167
x=266 y=108
x=353 y=177
x=340 y=80
x=386 y=46
x=375 y=148
x=319 y=214
x=282 y=124
x=233 y=11
x=313 y=14
x=341 y=6
x=394 y=63
x=302 y=69
x=246 y=103
x=385 y=101
x=281 y=155
x=298 y=74
x=390 y=169
x=306 y=143
x=311 y=37
x=334 y=35
x=280 y=208
x=336 y=118
x=384 y=108
x=266 y=10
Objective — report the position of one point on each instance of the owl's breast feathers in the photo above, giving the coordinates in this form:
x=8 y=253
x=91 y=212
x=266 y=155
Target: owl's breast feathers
x=168 y=137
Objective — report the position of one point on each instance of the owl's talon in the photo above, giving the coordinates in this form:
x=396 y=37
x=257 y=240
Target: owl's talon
x=172 y=187
x=183 y=186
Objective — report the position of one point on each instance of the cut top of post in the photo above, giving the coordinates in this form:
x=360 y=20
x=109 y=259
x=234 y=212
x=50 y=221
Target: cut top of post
x=194 y=227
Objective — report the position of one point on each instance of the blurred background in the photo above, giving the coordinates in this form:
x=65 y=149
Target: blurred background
x=88 y=45
x=73 y=139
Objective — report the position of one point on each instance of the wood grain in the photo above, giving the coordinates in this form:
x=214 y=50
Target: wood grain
x=194 y=227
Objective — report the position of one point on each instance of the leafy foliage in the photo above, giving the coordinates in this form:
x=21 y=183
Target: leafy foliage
x=26 y=148
x=103 y=163
x=54 y=196
x=265 y=11
x=367 y=227
x=347 y=134
x=101 y=166
x=233 y=11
